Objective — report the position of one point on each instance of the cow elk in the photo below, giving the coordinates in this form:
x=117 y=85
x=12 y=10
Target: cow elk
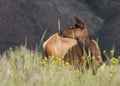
x=73 y=44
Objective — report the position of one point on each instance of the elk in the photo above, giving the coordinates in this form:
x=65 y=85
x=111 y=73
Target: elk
x=85 y=46
x=73 y=43
x=58 y=46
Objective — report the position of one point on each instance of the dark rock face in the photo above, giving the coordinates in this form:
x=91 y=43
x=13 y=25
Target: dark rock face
x=28 y=19
x=104 y=8
x=109 y=35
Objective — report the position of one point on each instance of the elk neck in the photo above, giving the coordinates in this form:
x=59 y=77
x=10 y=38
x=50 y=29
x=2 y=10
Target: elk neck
x=84 y=42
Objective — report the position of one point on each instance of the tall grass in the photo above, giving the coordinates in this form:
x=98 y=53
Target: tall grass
x=24 y=67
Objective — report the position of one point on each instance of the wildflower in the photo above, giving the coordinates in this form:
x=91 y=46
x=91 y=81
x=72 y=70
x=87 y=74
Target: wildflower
x=118 y=57
x=113 y=60
x=104 y=51
x=62 y=62
x=56 y=57
x=69 y=66
x=83 y=57
x=98 y=57
x=67 y=63
x=45 y=59
x=112 y=70
x=52 y=57
x=93 y=57
x=42 y=62
x=62 y=57
x=112 y=51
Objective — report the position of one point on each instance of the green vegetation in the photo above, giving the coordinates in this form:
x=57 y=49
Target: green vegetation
x=24 y=67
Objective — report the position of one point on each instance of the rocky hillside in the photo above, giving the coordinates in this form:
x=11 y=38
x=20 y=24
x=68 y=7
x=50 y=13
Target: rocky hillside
x=109 y=34
x=28 y=19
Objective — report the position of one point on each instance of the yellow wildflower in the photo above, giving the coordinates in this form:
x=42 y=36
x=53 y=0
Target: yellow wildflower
x=104 y=51
x=93 y=57
x=112 y=70
x=112 y=51
x=113 y=60
x=62 y=57
x=67 y=63
x=70 y=66
x=99 y=57
x=45 y=59
x=56 y=57
x=52 y=57
x=83 y=57
x=42 y=62
x=118 y=57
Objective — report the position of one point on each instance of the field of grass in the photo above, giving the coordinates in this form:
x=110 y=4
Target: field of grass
x=24 y=67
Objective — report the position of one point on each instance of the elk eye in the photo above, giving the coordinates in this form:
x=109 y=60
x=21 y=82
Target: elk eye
x=73 y=27
x=77 y=25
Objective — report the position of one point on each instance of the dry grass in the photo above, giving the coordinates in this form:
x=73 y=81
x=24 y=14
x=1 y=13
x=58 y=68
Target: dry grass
x=24 y=67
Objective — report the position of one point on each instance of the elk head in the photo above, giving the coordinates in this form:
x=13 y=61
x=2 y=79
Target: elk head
x=77 y=31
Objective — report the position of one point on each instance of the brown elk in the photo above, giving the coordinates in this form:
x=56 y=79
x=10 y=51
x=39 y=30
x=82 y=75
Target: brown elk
x=73 y=43
x=85 y=46
x=58 y=46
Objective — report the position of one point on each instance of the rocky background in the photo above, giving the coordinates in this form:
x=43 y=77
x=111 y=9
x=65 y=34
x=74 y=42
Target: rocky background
x=26 y=20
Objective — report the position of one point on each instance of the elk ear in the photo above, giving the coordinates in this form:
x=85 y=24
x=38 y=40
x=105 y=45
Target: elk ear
x=79 y=23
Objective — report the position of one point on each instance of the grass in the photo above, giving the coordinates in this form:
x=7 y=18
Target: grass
x=24 y=67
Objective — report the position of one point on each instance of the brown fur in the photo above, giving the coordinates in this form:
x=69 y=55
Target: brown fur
x=57 y=45
x=85 y=44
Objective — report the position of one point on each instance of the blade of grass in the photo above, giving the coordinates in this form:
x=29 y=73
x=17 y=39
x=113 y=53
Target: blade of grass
x=59 y=26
